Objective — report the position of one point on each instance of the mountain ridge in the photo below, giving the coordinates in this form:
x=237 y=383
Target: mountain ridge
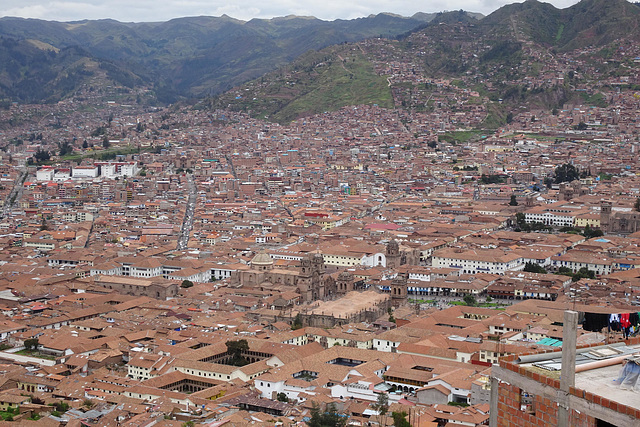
x=199 y=56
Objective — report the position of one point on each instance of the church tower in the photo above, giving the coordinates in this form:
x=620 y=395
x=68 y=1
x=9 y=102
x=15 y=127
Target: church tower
x=399 y=290
x=605 y=216
x=393 y=254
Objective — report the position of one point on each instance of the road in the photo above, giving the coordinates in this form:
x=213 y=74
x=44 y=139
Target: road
x=187 y=223
x=16 y=191
x=26 y=359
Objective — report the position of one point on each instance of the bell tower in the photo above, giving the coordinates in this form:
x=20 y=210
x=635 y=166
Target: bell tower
x=393 y=254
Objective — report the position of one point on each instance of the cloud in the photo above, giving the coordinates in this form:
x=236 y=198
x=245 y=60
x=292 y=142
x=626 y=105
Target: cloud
x=154 y=10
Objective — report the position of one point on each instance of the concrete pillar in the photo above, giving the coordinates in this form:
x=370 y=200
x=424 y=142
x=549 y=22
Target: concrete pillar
x=568 y=372
x=493 y=403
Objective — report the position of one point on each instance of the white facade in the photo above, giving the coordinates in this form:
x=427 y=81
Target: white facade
x=387 y=346
x=45 y=174
x=474 y=266
x=108 y=171
x=130 y=169
x=145 y=271
x=557 y=219
x=84 y=172
x=374 y=260
x=61 y=176
x=221 y=272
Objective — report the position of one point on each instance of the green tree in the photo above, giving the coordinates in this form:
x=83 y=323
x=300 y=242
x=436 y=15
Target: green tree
x=590 y=233
x=636 y=205
x=565 y=271
x=509 y=117
x=85 y=144
x=329 y=418
x=65 y=148
x=531 y=267
x=513 y=201
x=381 y=406
x=584 y=273
x=282 y=397
x=186 y=284
x=470 y=300
x=566 y=173
x=235 y=350
x=297 y=322
x=41 y=155
x=105 y=142
x=31 y=344
x=400 y=419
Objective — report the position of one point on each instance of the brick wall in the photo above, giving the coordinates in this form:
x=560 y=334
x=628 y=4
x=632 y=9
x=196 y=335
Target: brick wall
x=545 y=411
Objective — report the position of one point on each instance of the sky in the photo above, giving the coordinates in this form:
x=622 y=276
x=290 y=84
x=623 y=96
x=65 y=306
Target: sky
x=163 y=10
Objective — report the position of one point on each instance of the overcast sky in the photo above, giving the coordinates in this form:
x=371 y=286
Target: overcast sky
x=162 y=10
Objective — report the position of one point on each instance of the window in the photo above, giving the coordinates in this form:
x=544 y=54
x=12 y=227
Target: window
x=527 y=402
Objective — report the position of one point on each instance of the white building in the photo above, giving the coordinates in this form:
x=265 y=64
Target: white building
x=45 y=174
x=82 y=172
x=130 y=169
x=472 y=261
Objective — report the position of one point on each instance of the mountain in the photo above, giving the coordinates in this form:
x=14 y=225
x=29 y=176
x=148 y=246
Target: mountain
x=45 y=61
x=33 y=71
x=317 y=81
x=515 y=57
x=587 y=23
x=184 y=57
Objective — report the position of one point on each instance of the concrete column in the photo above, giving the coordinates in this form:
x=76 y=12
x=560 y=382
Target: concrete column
x=568 y=372
x=493 y=403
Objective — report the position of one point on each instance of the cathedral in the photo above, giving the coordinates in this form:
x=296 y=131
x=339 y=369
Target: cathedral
x=618 y=222
x=310 y=279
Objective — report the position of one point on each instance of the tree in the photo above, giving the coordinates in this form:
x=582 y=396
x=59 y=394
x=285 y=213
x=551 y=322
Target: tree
x=565 y=271
x=235 y=350
x=105 y=142
x=186 y=284
x=31 y=344
x=513 y=201
x=590 y=233
x=531 y=267
x=636 y=205
x=509 y=117
x=297 y=322
x=470 y=300
x=583 y=273
x=65 y=148
x=400 y=419
x=566 y=173
x=381 y=405
x=42 y=155
x=85 y=144
x=329 y=418
x=282 y=397
x=548 y=182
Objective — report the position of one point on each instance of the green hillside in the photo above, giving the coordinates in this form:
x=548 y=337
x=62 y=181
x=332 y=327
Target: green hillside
x=316 y=82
